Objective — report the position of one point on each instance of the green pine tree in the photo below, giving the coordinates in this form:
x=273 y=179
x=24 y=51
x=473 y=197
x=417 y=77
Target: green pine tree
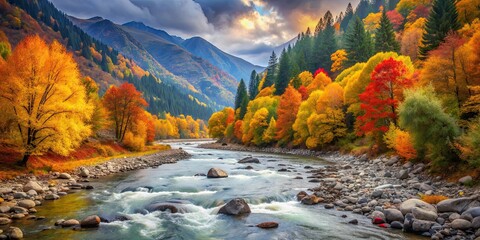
x=253 y=85
x=325 y=44
x=271 y=71
x=358 y=43
x=241 y=99
x=347 y=17
x=284 y=72
x=443 y=19
x=385 y=36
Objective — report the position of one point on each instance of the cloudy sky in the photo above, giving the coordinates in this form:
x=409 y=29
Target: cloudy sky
x=246 y=28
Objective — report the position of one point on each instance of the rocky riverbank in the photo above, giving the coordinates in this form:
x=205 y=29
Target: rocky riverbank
x=19 y=197
x=388 y=191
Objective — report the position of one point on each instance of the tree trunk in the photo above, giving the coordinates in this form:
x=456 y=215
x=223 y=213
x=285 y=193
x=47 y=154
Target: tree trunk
x=24 y=160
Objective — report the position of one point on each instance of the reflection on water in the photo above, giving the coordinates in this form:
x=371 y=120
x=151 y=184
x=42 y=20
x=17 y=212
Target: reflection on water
x=271 y=195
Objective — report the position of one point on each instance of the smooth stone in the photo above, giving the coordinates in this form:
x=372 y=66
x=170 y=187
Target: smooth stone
x=14 y=233
x=458 y=205
x=64 y=176
x=461 y=224
x=52 y=197
x=377 y=194
x=249 y=160
x=5 y=190
x=453 y=216
x=5 y=209
x=90 y=222
x=32 y=185
x=423 y=214
x=5 y=221
x=267 y=225
x=32 y=193
x=396 y=225
x=421 y=225
x=465 y=180
x=377 y=217
x=407 y=206
x=70 y=223
x=18 y=209
x=26 y=204
x=476 y=223
x=475 y=212
x=84 y=172
x=235 y=206
x=301 y=195
x=392 y=215
x=311 y=200
x=216 y=173
x=353 y=221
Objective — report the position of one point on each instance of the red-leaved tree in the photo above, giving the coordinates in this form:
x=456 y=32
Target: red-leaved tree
x=382 y=95
x=124 y=104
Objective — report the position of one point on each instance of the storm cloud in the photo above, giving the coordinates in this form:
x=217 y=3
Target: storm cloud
x=250 y=29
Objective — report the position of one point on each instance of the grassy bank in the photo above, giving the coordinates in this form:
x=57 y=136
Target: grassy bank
x=88 y=154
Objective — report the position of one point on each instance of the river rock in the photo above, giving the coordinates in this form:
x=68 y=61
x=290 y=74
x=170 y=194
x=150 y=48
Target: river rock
x=52 y=197
x=311 y=200
x=162 y=207
x=235 y=206
x=4 y=209
x=378 y=217
x=26 y=204
x=423 y=214
x=461 y=224
x=18 y=209
x=216 y=173
x=377 y=194
x=267 y=225
x=249 y=160
x=84 y=172
x=465 y=180
x=421 y=225
x=20 y=195
x=402 y=174
x=392 y=215
x=5 y=190
x=32 y=185
x=396 y=225
x=32 y=193
x=70 y=223
x=301 y=195
x=407 y=206
x=90 y=222
x=14 y=233
x=353 y=221
x=64 y=176
x=475 y=212
x=5 y=221
x=476 y=223
x=458 y=205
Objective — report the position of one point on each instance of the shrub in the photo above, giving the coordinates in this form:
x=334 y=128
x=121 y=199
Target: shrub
x=433 y=199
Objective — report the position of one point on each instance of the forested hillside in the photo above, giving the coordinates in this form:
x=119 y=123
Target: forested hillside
x=396 y=77
x=99 y=61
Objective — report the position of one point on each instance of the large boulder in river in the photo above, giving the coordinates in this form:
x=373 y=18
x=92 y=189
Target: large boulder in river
x=90 y=222
x=236 y=206
x=423 y=214
x=407 y=206
x=249 y=160
x=32 y=185
x=458 y=205
x=216 y=173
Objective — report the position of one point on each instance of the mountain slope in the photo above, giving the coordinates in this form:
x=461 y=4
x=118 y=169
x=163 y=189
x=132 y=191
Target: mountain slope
x=236 y=66
x=210 y=80
x=95 y=59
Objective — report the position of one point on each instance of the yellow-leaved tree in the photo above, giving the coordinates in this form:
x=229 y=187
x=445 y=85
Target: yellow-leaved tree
x=42 y=87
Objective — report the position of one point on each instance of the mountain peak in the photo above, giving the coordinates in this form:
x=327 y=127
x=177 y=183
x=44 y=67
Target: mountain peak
x=135 y=24
x=96 y=18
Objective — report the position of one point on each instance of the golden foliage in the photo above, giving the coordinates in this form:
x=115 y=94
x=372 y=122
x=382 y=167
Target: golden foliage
x=433 y=199
x=338 y=58
x=42 y=87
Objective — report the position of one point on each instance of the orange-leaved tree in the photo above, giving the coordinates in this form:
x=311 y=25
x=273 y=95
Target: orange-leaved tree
x=42 y=88
x=125 y=104
x=287 y=113
x=382 y=95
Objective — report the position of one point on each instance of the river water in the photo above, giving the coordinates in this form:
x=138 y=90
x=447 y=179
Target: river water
x=270 y=194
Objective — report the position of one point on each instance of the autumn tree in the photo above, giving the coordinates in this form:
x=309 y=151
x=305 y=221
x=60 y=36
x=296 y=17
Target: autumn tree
x=219 y=121
x=412 y=39
x=385 y=36
x=442 y=20
x=381 y=97
x=432 y=130
x=269 y=134
x=99 y=119
x=255 y=124
x=300 y=126
x=124 y=104
x=42 y=87
x=287 y=111
x=338 y=60
x=468 y=10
